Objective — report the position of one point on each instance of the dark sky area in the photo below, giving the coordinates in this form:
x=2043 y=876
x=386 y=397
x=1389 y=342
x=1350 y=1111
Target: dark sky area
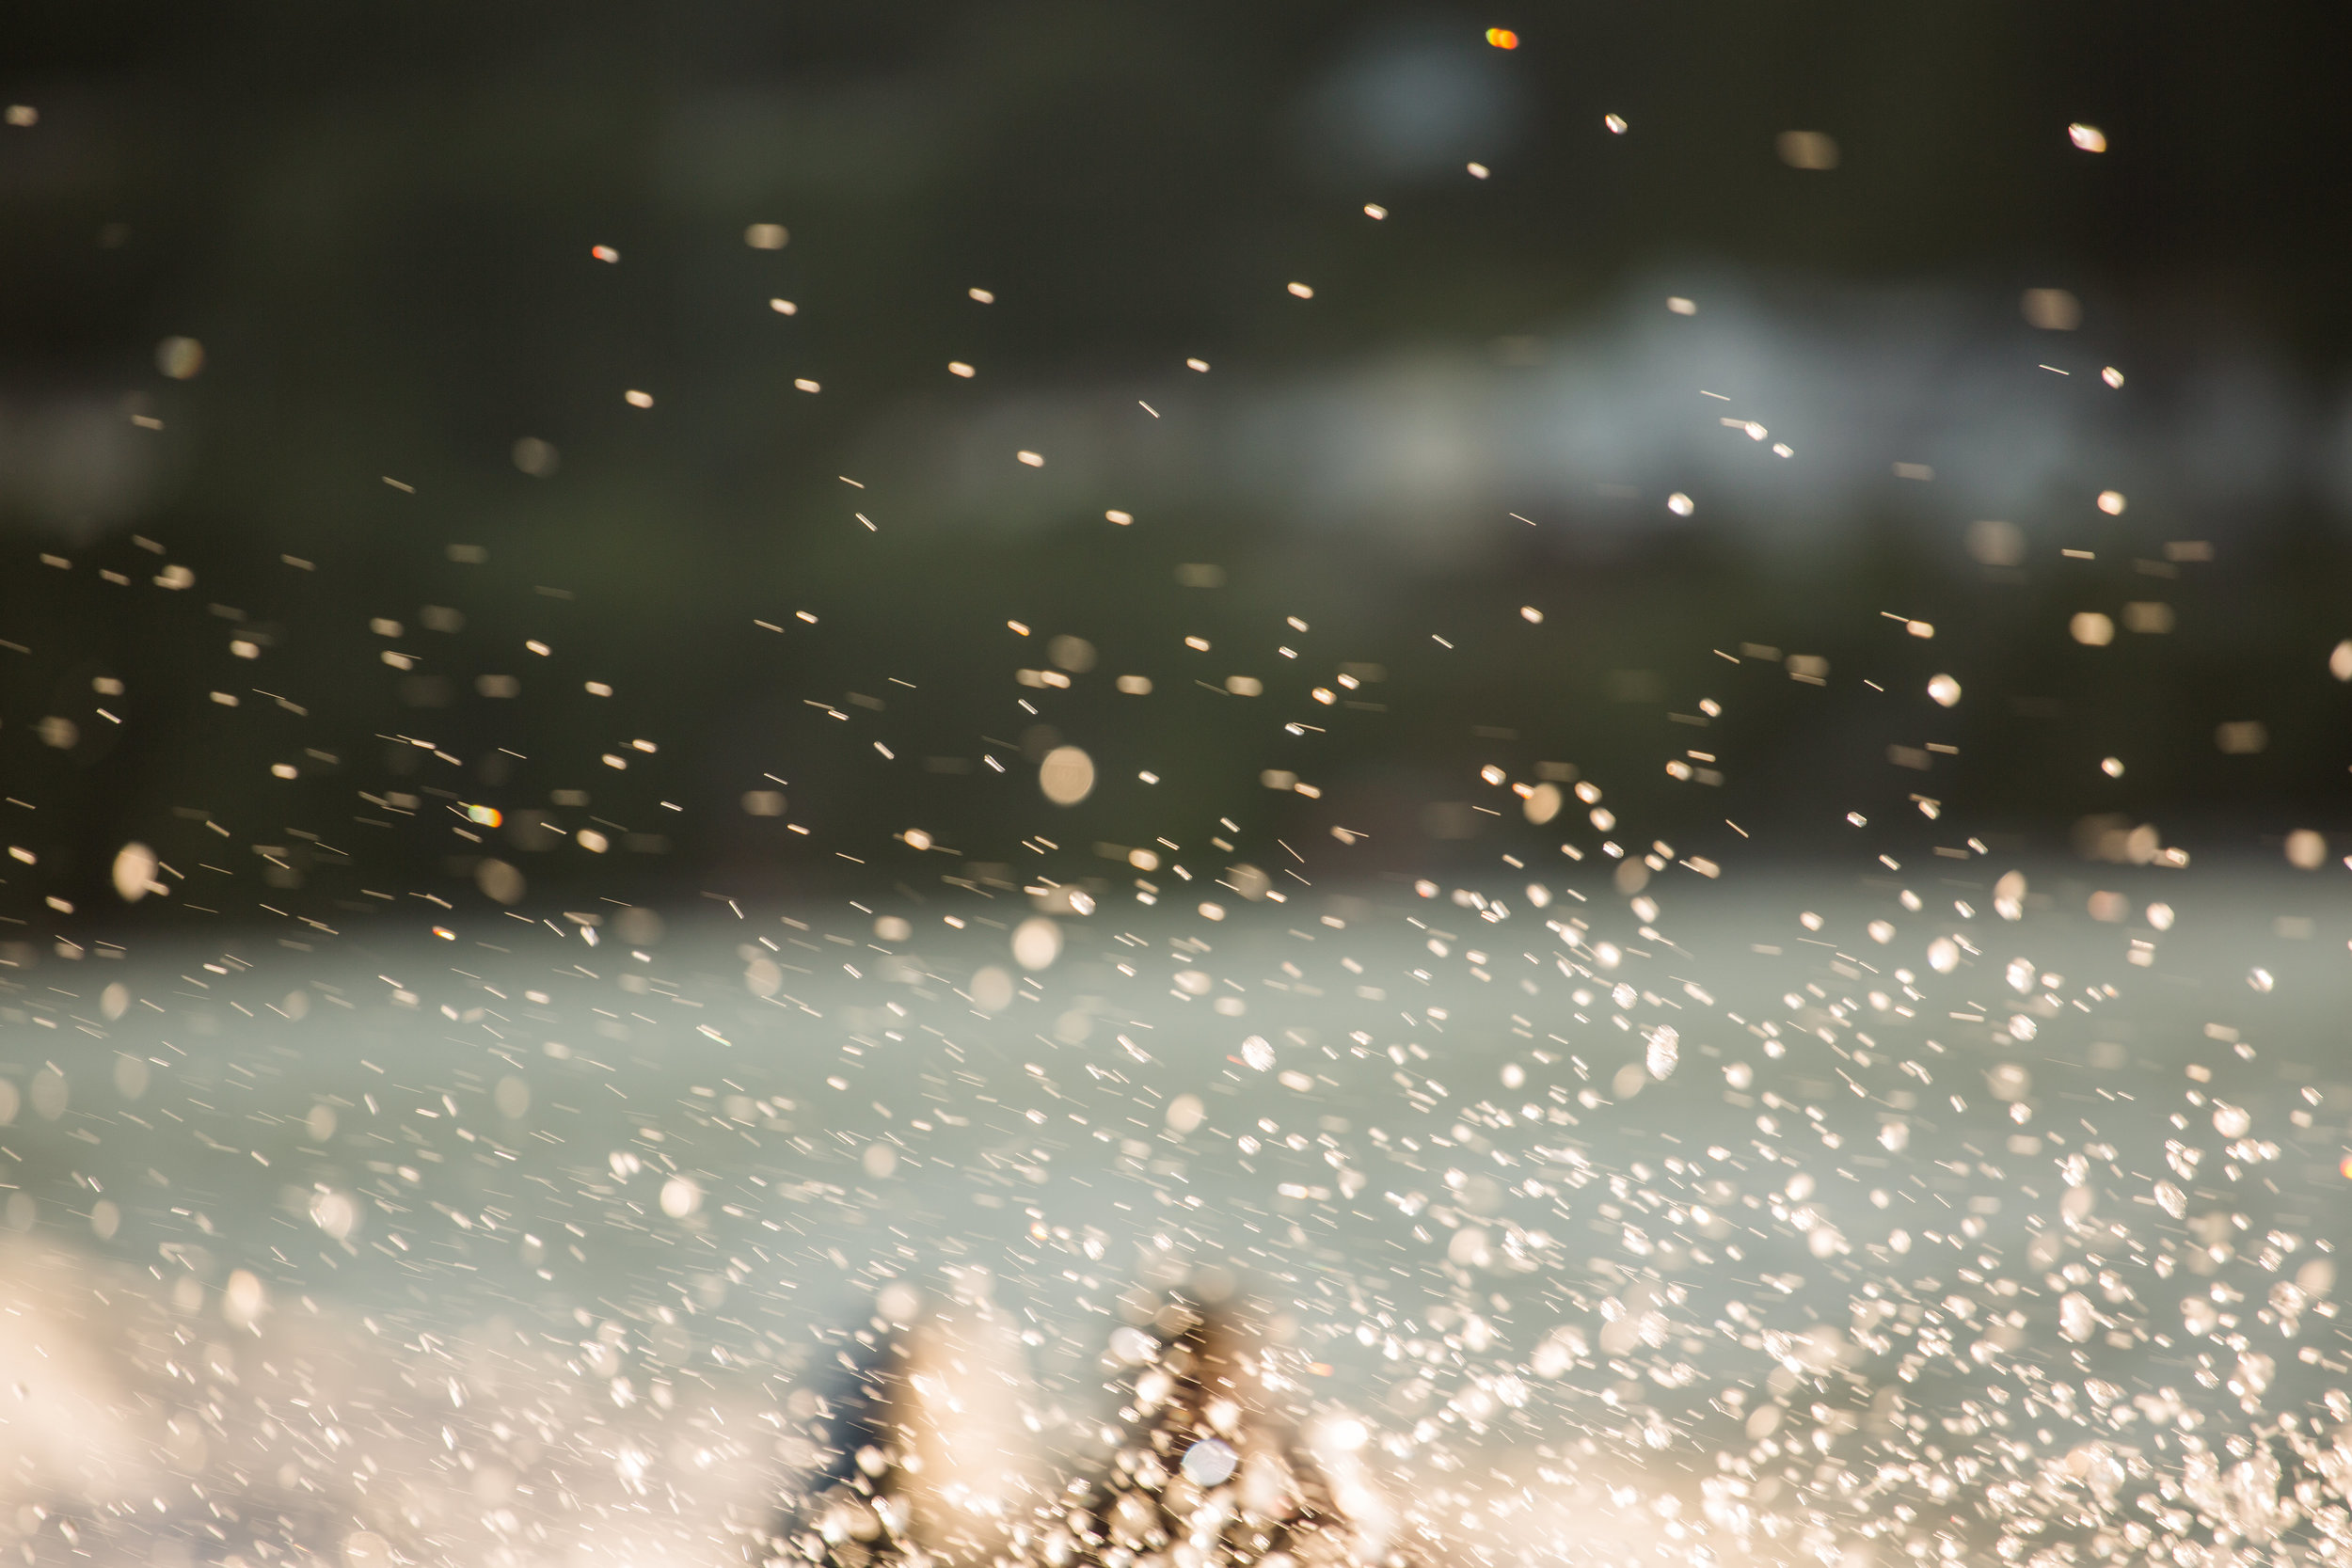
x=426 y=254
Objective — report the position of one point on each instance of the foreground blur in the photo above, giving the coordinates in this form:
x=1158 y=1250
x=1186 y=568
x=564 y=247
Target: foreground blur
x=1592 y=1229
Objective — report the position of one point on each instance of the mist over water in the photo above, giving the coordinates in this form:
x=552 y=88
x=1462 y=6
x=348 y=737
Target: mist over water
x=1929 y=404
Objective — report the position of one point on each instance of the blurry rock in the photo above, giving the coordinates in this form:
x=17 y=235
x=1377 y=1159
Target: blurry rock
x=1213 y=1463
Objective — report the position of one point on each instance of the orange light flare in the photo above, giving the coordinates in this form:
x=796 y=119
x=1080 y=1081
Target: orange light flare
x=1503 y=38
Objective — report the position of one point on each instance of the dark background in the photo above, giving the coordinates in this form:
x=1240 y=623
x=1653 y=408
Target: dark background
x=378 y=222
